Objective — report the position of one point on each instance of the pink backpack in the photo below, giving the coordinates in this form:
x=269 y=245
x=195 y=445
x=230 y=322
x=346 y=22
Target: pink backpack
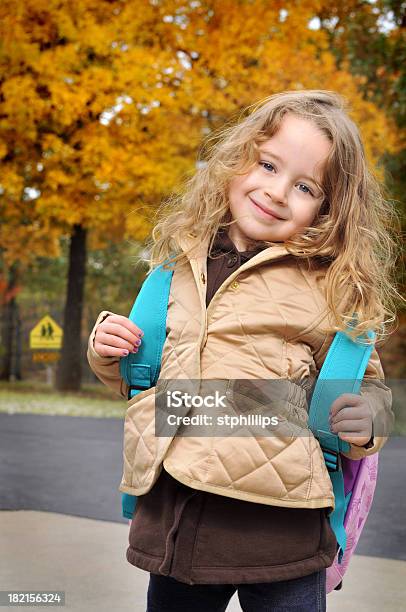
x=360 y=478
x=353 y=480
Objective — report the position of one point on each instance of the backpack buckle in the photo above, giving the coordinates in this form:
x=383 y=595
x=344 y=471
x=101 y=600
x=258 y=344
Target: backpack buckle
x=139 y=377
x=137 y=388
x=332 y=460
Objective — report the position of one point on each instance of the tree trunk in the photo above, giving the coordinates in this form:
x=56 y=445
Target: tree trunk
x=18 y=344
x=69 y=372
x=8 y=324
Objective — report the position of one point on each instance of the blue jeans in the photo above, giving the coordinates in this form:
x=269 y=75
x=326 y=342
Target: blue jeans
x=306 y=594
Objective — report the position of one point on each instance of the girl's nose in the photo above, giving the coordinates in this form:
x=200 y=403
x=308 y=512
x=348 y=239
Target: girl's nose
x=277 y=191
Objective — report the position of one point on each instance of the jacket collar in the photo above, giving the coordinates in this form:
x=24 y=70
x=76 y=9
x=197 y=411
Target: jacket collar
x=195 y=248
x=196 y=251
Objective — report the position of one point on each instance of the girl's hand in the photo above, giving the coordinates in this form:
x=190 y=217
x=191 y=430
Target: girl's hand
x=117 y=336
x=351 y=419
x=130 y=521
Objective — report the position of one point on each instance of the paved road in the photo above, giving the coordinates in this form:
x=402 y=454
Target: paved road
x=72 y=465
x=86 y=559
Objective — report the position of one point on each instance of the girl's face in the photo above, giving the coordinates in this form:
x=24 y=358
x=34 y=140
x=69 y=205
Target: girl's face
x=285 y=181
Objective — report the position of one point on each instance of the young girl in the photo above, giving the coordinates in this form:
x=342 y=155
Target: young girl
x=276 y=241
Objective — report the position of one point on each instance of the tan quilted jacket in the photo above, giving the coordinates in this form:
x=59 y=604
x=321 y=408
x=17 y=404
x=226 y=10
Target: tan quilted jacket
x=265 y=321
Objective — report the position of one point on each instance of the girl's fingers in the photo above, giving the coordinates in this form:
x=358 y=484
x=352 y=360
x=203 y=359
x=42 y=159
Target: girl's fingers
x=354 y=438
x=349 y=414
x=115 y=341
x=350 y=434
x=109 y=351
x=343 y=400
x=126 y=323
x=353 y=424
x=116 y=336
x=116 y=329
x=107 y=345
x=360 y=427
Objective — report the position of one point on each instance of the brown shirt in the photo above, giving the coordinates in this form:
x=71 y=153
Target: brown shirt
x=198 y=537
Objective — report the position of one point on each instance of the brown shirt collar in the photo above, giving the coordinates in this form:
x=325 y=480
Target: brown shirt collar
x=223 y=244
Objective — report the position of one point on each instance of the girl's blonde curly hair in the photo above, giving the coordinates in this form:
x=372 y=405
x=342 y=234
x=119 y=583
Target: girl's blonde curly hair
x=352 y=238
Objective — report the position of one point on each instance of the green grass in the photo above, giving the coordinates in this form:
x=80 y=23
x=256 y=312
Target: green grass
x=30 y=397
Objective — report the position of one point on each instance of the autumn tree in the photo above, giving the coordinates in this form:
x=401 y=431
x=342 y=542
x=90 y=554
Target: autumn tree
x=370 y=38
x=103 y=104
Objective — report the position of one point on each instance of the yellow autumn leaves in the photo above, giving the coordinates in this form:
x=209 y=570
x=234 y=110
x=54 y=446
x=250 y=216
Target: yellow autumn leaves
x=103 y=104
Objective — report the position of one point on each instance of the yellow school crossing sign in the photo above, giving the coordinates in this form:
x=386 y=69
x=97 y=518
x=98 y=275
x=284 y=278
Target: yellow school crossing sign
x=46 y=334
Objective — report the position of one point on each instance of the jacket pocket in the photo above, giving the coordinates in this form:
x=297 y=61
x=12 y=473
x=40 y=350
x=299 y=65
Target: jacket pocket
x=139 y=446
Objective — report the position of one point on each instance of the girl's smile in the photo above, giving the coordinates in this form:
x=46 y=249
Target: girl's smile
x=264 y=211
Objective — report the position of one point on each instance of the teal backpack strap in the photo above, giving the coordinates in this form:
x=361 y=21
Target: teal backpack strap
x=128 y=503
x=141 y=370
x=345 y=363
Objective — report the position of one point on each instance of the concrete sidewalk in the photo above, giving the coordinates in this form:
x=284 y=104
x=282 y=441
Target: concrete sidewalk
x=86 y=559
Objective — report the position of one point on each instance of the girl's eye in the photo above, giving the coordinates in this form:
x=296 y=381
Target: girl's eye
x=265 y=164
x=308 y=190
